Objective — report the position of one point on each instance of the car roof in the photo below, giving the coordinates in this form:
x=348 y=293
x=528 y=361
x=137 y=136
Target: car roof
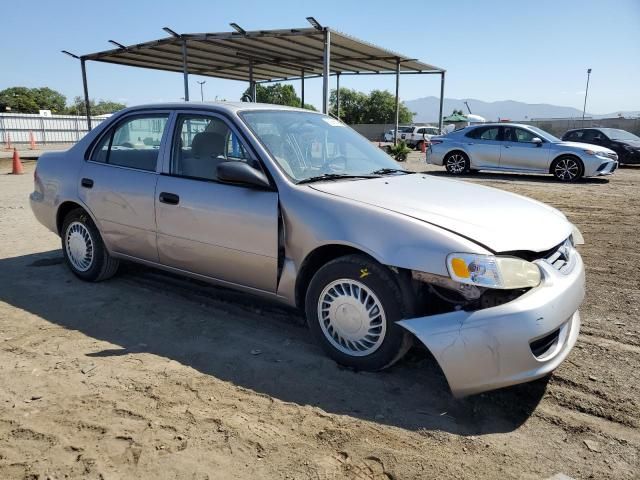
x=500 y=124
x=584 y=128
x=231 y=107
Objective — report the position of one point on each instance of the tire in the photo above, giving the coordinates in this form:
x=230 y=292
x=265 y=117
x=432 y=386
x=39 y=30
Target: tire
x=338 y=319
x=84 y=250
x=567 y=168
x=457 y=163
x=419 y=145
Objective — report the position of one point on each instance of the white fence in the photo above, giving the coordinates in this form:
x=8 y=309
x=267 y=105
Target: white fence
x=18 y=128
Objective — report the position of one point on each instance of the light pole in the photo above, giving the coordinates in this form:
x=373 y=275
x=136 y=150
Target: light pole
x=201 y=91
x=586 y=92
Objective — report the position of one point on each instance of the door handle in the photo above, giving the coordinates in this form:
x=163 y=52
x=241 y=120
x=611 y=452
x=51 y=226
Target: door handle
x=169 y=198
x=86 y=182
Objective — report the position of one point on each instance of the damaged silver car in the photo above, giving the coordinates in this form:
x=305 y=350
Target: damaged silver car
x=295 y=206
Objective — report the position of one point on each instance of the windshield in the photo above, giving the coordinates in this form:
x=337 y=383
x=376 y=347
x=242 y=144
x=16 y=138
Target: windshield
x=307 y=145
x=616 y=134
x=546 y=135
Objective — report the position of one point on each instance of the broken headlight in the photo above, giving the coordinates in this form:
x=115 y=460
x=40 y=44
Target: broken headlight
x=492 y=272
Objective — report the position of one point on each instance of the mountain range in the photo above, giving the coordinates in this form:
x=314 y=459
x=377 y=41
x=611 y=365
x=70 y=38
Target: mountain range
x=426 y=109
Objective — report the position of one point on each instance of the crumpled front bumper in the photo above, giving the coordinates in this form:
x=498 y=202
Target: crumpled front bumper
x=487 y=349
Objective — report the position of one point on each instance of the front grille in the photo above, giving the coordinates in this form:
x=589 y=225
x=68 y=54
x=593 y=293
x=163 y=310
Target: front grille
x=545 y=344
x=562 y=257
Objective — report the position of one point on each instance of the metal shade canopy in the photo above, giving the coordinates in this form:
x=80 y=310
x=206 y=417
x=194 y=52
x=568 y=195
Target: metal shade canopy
x=265 y=56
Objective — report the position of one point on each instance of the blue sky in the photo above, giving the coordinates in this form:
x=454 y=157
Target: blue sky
x=535 y=52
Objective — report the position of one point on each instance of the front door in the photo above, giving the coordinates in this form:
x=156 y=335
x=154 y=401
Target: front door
x=118 y=184
x=225 y=232
x=519 y=152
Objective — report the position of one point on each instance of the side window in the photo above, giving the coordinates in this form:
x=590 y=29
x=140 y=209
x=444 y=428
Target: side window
x=101 y=152
x=575 y=136
x=201 y=143
x=475 y=132
x=490 y=134
x=134 y=143
x=523 y=136
x=587 y=136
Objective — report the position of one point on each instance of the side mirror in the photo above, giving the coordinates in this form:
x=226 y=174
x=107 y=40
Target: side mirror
x=537 y=141
x=242 y=174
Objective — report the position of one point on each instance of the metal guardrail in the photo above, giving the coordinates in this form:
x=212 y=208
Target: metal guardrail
x=45 y=129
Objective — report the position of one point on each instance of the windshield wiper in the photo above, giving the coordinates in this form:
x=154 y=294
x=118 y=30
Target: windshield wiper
x=384 y=171
x=333 y=176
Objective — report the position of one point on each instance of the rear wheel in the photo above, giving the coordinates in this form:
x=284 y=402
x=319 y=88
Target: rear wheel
x=457 y=163
x=567 y=169
x=352 y=306
x=84 y=250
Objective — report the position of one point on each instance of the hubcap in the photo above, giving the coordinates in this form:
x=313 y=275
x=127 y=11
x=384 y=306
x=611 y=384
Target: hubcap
x=351 y=317
x=567 y=169
x=79 y=246
x=456 y=163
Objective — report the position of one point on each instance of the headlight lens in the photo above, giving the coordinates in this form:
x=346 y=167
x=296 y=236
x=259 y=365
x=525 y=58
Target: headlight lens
x=589 y=152
x=576 y=236
x=492 y=272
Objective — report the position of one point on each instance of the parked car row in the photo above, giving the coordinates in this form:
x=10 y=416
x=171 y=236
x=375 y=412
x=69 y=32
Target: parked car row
x=413 y=136
x=295 y=206
x=512 y=147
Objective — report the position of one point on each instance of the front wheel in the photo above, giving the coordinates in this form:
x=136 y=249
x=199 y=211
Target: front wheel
x=567 y=169
x=457 y=163
x=352 y=306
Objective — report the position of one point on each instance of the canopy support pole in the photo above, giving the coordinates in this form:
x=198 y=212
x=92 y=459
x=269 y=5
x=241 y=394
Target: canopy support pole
x=252 y=84
x=185 y=71
x=338 y=95
x=302 y=88
x=326 y=70
x=87 y=102
x=397 y=119
x=441 y=101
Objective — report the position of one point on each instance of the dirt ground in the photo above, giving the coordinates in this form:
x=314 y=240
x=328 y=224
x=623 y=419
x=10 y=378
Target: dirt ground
x=151 y=376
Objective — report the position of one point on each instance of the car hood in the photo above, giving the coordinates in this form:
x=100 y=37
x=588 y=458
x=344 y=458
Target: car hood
x=585 y=146
x=631 y=143
x=495 y=219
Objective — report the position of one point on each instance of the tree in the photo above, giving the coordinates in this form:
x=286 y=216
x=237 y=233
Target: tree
x=278 y=94
x=100 y=108
x=31 y=100
x=457 y=112
x=377 y=107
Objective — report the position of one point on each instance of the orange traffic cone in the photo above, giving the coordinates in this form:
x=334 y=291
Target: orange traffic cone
x=32 y=141
x=8 y=147
x=423 y=146
x=17 y=164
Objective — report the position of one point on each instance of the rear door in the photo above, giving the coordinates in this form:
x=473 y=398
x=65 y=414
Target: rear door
x=222 y=231
x=483 y=145
x=519 y=152
x=118 y=183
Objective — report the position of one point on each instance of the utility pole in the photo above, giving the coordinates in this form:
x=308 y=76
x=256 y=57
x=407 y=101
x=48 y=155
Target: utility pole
x=201 y=91
x=586 y=92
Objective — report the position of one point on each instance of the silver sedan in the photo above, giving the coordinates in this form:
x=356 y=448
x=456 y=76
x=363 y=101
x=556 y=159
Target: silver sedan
x=520 y=148
x=297 y=207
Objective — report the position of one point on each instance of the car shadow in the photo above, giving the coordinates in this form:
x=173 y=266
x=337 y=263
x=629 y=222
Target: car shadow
x=252 y=343
x=512 y=177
